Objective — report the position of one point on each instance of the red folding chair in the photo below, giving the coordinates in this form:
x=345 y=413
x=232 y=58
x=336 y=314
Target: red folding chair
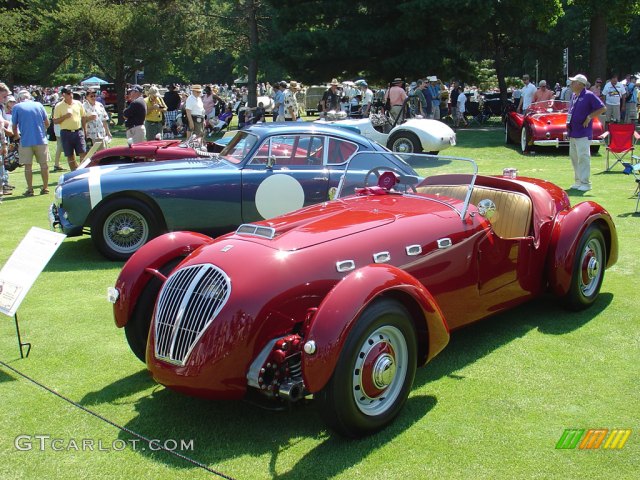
x=620 y=140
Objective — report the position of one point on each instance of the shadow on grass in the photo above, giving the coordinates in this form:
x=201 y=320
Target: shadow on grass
x=79 y=254
x=5 y=377
x=225 y=430
x=124 y=387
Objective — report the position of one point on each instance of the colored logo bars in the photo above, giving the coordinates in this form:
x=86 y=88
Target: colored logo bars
x=593 y=439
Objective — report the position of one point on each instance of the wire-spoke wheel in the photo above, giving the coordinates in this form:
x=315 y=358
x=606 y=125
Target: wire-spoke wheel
x=404 y=142
x=121 y=227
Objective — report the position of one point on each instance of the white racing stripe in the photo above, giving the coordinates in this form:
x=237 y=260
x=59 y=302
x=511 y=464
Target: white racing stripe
x=95 y=188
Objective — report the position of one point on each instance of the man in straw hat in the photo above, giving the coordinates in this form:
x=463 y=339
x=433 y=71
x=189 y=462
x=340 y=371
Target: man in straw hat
x=395 y=97
x=195 y=112
x=290 y=102
x=155 y=109
x=330 y=98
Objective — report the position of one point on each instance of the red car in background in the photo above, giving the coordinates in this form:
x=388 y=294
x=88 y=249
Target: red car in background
x=544 y=124
x=152 y=151
x=109 y=94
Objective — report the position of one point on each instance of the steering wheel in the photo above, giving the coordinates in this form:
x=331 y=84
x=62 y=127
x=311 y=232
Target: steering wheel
x=378 y=171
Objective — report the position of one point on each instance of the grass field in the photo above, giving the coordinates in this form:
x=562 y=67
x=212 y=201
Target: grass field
x=491 y=406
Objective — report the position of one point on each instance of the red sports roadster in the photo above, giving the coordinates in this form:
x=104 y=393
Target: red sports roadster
x=544 y=124
x=344 y=299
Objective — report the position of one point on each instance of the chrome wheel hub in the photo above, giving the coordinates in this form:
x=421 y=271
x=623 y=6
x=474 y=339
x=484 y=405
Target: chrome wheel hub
x=383 y=371
x=591 y=267
x=380 y=370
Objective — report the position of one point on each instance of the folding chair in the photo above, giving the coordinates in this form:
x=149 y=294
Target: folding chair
x=634 y=170
x=620 y=141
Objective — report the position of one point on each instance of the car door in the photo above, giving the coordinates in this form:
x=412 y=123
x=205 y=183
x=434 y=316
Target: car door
x=288 y=172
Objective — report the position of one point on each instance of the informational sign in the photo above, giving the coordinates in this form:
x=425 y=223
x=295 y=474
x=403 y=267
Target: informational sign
x=25 y=265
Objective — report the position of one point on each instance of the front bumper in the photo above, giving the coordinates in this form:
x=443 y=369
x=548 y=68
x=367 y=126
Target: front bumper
x=59 y=223
x=561 y=143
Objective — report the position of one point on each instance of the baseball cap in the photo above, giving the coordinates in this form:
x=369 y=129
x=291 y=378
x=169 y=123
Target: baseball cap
x=579 y=78
x=135 y=88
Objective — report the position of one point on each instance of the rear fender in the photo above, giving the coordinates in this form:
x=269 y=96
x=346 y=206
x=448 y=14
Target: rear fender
x=569 y=227
x=137 y=272
x=342 y=306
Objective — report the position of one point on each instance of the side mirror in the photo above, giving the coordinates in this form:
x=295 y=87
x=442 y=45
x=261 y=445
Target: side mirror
x=486 y=208
x=271 y=161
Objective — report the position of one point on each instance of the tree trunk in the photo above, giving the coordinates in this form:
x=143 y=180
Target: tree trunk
x=598 y=47
x=252 y=73
x=498 y=61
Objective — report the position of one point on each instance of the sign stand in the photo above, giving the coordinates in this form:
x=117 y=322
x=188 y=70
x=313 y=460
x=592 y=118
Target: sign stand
x=20 y=344
x=22 y=270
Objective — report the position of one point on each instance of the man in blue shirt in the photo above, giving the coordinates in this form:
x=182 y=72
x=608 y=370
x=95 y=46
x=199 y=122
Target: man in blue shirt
x=632 y=101
x=30 y=124
x=584 y=106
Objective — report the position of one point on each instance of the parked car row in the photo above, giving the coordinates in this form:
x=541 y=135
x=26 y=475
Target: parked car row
x=339 y=269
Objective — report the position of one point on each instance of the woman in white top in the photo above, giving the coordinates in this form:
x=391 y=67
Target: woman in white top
x=97 y=120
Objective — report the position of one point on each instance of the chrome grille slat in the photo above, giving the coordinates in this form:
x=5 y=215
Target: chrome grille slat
x=189 y=301
x=182 y=279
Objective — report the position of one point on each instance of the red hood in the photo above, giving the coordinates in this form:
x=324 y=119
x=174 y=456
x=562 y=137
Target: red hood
x=333 y=220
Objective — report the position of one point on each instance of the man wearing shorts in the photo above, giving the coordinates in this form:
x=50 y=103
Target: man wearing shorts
x=70 y=115
x=30 y=124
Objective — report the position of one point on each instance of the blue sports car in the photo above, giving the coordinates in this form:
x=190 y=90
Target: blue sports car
x=264 y=171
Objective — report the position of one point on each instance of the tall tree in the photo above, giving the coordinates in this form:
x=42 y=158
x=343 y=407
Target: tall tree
x=602 y=16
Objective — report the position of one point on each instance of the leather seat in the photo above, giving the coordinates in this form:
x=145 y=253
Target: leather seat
x=513 y=210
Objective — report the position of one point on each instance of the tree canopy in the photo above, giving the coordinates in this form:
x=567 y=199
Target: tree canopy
x=479 y=41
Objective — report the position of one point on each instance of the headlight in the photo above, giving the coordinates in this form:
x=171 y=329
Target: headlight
x=58 y=194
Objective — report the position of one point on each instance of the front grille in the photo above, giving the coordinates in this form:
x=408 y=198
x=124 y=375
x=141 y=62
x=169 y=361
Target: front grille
x=189 y=301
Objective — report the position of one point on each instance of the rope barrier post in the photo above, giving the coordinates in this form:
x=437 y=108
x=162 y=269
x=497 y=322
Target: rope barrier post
x=20 y=344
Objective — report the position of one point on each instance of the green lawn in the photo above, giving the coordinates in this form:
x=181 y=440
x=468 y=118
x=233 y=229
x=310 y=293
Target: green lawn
x=492 y=405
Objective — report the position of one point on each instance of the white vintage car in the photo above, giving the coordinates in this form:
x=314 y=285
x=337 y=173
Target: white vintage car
x=413 y=136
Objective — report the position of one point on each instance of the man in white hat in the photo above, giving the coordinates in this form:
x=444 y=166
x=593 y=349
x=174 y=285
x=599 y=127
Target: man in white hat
x=195 y=112
x=433 y=91
x=614 y=94
x=290 y=102
x=585 y=106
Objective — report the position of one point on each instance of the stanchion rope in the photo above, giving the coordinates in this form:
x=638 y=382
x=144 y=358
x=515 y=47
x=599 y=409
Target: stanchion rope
x=150 y=442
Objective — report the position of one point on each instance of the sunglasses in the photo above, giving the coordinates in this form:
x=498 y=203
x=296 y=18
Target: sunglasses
x=90 y=96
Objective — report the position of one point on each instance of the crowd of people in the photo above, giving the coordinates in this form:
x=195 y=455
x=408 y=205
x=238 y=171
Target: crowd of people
x=80 y=119
x=619 y=97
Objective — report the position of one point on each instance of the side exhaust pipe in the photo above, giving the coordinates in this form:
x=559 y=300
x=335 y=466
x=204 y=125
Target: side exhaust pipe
x=292 y=391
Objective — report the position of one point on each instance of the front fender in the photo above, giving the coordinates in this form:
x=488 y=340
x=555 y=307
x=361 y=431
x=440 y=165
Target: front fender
x=342 y=306
x=137 y=272
x=569 y=227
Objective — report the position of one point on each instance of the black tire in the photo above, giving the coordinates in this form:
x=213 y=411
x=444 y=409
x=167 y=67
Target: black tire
x=595 y=149
x=137 y=328
x=404 y=142
x=122 y=226
x=385 y=326
x=588 y=270
x=525 y=147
